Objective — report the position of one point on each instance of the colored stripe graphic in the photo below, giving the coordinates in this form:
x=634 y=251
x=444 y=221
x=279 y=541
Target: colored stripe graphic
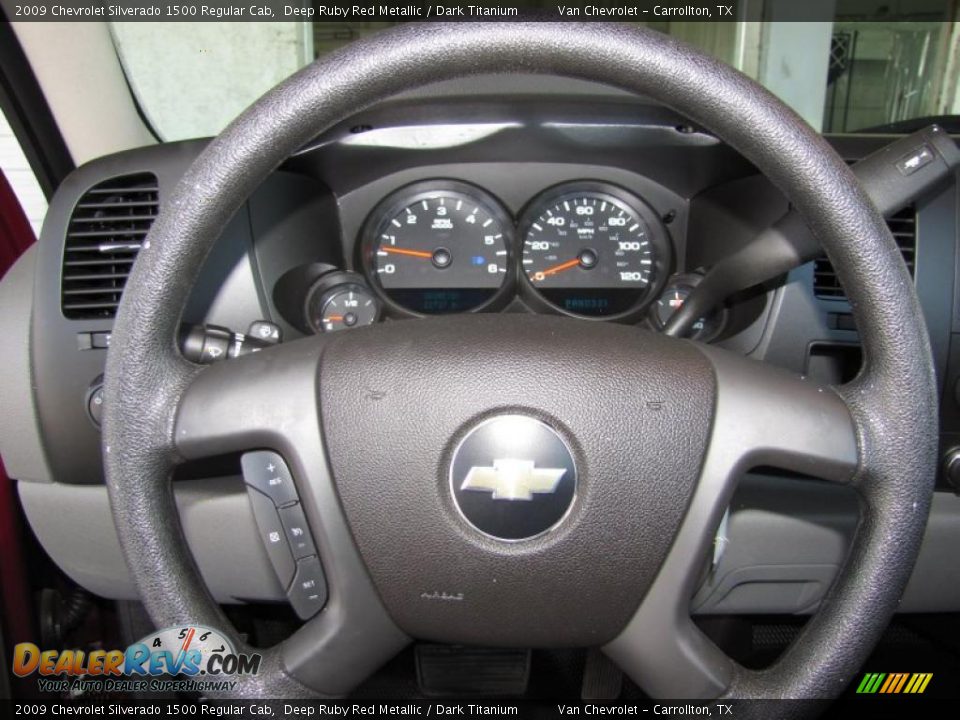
x=903 y=680
x=870 y=683
x=918 y=683
x=894 y=683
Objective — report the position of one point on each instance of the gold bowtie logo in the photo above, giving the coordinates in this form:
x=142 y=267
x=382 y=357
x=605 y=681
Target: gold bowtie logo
x=510 y=479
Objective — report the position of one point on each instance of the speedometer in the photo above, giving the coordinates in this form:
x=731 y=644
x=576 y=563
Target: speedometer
x=595 y=250
x=439 y=247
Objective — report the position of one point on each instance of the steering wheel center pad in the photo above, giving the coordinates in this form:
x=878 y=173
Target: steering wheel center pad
x=634 y=408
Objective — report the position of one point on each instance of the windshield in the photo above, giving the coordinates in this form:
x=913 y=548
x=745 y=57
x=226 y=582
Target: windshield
x=877 y=66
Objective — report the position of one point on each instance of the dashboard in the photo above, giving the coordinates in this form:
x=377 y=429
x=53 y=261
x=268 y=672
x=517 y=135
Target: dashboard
x=594 y=205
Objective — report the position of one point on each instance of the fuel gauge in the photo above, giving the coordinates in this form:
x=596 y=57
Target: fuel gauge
x=673 y=297
x=342 y=307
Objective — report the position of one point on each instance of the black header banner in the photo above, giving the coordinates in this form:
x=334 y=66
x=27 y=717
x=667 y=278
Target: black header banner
x=399 y=11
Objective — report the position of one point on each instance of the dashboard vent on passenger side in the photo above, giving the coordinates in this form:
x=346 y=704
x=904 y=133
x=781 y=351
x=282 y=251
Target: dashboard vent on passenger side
x=105 y=234
x=903 y=225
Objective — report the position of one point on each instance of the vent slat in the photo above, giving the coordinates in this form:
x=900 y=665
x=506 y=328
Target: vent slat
x=100 y=306
x=121 y=218
x=83 y=292
x=903 y=227
x=123 y=188
x=103 y=238
x=107 y=246
x=135 y=203
x=96 y=276
x=118 y=232
x=100 y=261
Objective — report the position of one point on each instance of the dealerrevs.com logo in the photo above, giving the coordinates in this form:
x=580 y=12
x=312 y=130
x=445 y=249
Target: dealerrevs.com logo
x=203 y=656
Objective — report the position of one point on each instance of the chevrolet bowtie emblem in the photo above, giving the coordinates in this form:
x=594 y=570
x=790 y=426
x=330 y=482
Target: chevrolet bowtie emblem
x=513 y=479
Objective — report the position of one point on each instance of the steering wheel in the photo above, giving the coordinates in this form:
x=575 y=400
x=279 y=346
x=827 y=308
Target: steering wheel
x=648 y=434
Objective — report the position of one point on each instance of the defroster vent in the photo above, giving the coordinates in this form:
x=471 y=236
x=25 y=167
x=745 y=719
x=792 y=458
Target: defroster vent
x=903 y=225
x=105 y=234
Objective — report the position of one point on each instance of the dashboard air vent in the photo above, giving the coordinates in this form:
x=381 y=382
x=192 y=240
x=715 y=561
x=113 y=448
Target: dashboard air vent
x=903 y=225
x=104 y=236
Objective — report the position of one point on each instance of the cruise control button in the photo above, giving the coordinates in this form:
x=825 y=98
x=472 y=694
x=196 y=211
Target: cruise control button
x=267 y=472
x=298 y=532
x=308 y=593
x=273 y=535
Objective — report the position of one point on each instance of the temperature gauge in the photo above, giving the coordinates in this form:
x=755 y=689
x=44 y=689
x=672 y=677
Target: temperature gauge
x=342 y=307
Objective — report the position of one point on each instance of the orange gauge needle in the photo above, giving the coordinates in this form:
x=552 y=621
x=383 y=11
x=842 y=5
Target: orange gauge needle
x=556 y=269
x=402 y=251
x=335 y=318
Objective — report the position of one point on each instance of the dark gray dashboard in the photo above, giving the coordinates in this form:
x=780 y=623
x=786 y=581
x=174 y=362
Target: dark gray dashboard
x=313 y=211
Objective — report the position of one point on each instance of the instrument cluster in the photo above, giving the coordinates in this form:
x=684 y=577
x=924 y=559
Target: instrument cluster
x=586 y=249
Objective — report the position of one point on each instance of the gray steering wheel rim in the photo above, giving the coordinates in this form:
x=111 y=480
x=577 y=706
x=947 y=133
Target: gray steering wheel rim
x=893 y=401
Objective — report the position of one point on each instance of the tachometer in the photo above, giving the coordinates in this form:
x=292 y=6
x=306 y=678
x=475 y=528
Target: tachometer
x=595 y=250
x=438 y=247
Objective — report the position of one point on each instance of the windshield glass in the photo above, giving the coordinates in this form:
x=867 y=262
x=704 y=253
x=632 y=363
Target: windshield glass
x=875 y=67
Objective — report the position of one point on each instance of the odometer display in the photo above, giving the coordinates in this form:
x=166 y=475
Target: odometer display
x=438 y=247
x=593 y=250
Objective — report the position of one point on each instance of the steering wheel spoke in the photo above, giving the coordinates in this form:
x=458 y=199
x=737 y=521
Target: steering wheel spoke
x=770 y=417
x=269 y=400
x=763 y=416
x=265 y=399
